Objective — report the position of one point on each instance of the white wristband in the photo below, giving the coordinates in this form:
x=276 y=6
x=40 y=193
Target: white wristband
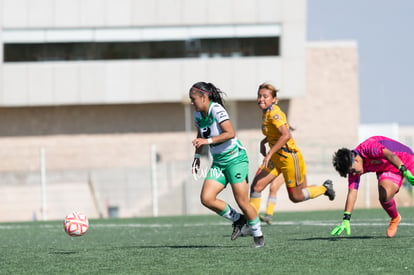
x=209 y=140
x=196 y=156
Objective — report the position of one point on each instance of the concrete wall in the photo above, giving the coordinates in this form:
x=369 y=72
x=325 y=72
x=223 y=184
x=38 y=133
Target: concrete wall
x=329 y=111
x=118 y=165
x=144 y=81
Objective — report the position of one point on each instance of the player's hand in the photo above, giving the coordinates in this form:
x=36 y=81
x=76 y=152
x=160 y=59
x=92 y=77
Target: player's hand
x=266 y=160
x=198 y=142
x=346 y=225
x=195 y=166
x=406 y=173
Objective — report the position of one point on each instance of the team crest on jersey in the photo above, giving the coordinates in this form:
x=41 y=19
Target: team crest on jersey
x=276 y=117
x=204 y=122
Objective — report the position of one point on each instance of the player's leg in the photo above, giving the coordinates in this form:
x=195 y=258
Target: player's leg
x=271 y=199
x=237 y=176
x=294 y=171
x=388 y=185
x=261 y=180
x=240 y=191
x=212 y=186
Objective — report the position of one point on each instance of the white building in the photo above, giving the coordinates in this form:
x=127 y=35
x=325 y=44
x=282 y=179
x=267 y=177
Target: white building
x=95 y=83
x=79 y=52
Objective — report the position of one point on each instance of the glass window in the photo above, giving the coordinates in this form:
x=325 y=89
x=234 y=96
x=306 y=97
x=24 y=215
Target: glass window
x=203 y=47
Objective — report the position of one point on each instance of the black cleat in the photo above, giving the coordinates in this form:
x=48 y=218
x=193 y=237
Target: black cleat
x=259 y=241
x=237 y=227
x=330 y=192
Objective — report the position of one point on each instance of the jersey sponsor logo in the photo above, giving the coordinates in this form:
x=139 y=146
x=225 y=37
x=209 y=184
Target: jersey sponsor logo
x=221 y=114
x=214 y=172
x=205 y=132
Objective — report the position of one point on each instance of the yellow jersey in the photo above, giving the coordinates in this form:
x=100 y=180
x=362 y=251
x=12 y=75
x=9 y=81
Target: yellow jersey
x=272 y=119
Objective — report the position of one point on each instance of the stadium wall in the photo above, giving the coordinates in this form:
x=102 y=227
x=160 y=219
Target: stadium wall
x=99 y=161
x=52 y=82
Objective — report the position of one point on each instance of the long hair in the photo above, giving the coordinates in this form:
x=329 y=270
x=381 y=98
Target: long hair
x=214 y=93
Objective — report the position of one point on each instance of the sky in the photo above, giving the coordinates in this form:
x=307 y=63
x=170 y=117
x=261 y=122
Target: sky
x=384 y=31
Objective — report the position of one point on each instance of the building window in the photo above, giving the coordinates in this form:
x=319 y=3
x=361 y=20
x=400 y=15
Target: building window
x=191 y=48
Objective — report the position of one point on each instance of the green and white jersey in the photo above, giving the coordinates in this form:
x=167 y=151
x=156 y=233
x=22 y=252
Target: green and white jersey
x=209 y=126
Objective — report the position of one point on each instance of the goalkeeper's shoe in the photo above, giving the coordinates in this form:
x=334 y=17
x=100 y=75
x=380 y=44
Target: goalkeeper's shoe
x=266 y=218
x=237 y=227
x=259 y=241
x=392 y=228
x=330 y=192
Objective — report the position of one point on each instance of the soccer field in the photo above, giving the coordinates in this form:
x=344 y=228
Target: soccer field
x=297 y=242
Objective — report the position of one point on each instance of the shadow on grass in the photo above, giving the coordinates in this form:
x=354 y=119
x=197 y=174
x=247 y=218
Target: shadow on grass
x=63 y=252
x=177 y=246
x=342 y=238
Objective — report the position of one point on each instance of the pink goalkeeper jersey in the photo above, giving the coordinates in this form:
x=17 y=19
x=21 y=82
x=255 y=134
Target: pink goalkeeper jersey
x=371 y=152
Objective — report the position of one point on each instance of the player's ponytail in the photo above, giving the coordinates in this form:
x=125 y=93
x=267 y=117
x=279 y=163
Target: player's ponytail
x=214 y=93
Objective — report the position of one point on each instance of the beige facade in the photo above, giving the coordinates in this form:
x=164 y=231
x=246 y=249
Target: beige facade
x=98 y=157
x=147 y=80
x=117 y=133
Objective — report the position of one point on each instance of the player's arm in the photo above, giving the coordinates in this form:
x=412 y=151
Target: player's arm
x=228 y=132
x=392 y=158
x=263 y=146
x=350 y=200
x=346 y=221
x=283 y=139
x=397 y=162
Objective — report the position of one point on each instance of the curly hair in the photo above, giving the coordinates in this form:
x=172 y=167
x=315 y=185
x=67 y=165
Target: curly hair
x=342 y=161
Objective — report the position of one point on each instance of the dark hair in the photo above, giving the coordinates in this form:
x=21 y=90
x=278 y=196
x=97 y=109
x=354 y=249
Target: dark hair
x=342 y=161
x=214 y=93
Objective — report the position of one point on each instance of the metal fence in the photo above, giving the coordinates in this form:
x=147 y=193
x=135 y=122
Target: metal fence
x=153 y=188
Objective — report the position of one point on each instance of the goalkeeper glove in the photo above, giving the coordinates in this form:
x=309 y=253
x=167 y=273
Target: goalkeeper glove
x=406 y=173
x=344 y=226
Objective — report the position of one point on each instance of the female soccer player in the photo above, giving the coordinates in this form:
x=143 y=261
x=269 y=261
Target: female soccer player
x=230 y=162
x=390 y=160
x=284 y=155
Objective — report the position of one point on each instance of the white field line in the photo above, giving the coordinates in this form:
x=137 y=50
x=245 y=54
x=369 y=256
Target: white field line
x=373 y=222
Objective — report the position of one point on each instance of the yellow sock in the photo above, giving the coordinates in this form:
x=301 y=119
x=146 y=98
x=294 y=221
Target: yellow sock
x=270 y=208
x=316 y=191
x=255 y=200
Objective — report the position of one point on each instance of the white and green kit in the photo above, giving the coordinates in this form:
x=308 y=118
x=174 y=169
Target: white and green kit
x=230 y=161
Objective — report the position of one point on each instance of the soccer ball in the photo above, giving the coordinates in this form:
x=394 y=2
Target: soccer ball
x=76 y=224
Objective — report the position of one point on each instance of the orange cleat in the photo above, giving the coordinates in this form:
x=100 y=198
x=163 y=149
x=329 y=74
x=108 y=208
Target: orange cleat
x=392 y=228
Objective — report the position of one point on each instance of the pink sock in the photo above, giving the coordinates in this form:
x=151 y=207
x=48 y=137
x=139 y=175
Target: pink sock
x=391 y=208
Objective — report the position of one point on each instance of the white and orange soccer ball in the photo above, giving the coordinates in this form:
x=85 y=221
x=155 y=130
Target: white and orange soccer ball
x=76 y=224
